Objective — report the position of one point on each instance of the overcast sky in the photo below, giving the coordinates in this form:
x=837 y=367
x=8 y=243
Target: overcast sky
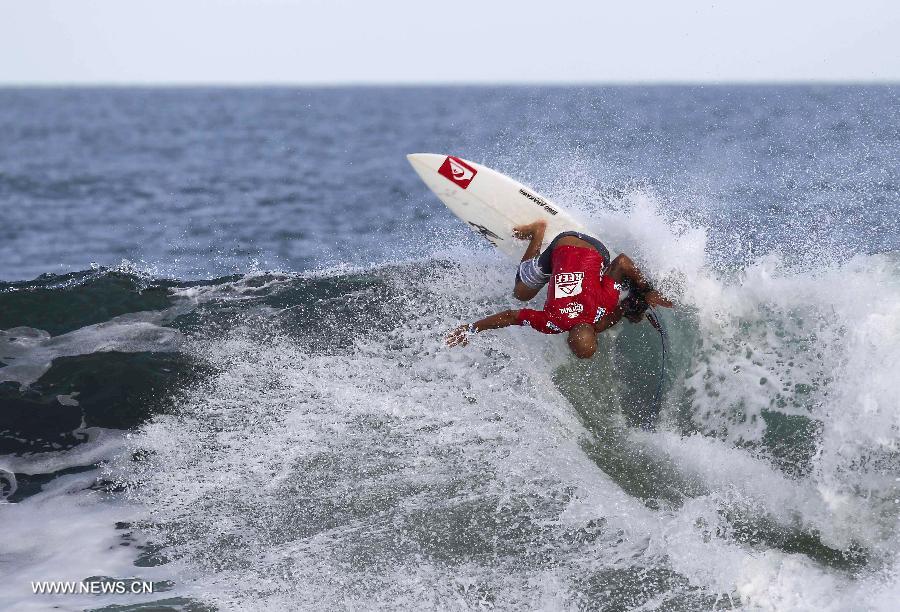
x=414 y=41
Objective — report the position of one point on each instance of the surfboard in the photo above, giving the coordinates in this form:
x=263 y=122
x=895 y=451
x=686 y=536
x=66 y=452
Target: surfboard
x=489 y=201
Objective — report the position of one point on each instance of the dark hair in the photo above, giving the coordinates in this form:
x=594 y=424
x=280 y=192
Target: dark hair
x=635 y=305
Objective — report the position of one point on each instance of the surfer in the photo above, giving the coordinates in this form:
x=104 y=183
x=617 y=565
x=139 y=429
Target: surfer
x=583 y=292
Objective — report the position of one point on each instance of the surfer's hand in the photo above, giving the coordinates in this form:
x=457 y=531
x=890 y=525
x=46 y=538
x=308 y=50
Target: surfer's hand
x=525 y=232
x=654 y=298
x=459 y=336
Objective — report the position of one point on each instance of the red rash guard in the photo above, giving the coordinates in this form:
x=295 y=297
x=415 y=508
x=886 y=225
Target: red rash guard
x=577 y=293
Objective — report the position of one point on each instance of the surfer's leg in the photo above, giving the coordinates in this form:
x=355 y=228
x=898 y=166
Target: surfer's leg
x=534 y=272
x=523 y=291
x=529 y=278
x=534 y=234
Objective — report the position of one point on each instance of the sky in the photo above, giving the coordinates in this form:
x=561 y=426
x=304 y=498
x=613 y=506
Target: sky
x=448 y=41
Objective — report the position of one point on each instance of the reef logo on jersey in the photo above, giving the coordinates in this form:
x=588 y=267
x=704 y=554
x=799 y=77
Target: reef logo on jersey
x=567 y=284
x=458 y=171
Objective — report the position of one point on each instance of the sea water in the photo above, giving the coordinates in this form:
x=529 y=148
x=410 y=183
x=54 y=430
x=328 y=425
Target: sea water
x=222 y=368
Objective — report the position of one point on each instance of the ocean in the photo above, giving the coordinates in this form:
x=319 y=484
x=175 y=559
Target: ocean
x=222 y=367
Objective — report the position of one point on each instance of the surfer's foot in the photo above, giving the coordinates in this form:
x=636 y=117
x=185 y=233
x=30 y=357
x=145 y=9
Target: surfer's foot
x=525 y=232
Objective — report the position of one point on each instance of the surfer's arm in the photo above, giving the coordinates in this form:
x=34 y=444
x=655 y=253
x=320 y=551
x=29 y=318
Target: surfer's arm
x=609 y=319
x=460 y=335
x=623 y=268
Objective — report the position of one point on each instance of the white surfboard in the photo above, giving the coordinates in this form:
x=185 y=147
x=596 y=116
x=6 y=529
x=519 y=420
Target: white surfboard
x=490 y=202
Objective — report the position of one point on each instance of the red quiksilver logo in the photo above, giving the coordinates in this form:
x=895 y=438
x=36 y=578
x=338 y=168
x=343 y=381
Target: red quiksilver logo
x=457 y=171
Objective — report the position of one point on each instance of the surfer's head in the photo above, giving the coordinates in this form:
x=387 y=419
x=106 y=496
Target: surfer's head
x=634 y=306
x=583 y=340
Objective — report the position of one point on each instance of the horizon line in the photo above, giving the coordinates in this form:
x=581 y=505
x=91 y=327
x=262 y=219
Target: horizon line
x=449 y=83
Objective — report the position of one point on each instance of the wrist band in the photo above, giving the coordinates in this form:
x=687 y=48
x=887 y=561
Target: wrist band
x=471 y=329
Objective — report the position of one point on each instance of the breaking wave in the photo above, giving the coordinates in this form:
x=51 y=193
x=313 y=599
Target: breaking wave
x=296 y=439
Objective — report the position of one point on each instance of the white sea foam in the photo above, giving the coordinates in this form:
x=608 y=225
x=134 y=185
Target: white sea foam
x=99 y=444
x=66 y=533
x=30 y=352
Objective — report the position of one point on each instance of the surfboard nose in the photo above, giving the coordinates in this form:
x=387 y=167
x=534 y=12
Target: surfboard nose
x=431 y=161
